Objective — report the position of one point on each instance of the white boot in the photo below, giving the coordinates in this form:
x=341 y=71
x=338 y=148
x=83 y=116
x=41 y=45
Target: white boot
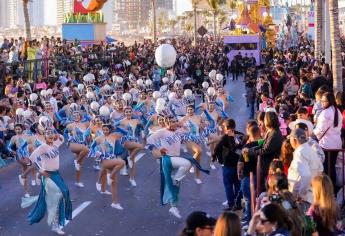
x=133 y=183
x=56 y=229
x=175 y=212
x=130 y=162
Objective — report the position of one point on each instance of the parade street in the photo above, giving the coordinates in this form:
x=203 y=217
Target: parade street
x=142 y=214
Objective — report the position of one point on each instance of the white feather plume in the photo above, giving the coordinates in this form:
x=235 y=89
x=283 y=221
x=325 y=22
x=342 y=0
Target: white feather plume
x=104 y=111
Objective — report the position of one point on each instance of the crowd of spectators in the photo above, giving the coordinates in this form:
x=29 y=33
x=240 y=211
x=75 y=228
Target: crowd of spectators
x=295 y=131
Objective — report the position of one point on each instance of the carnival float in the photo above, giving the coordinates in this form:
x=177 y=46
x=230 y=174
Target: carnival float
x=85 y=24
x=251 y=31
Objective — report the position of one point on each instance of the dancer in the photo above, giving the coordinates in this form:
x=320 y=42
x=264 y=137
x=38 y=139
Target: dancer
x=54 y=196
x=131 y=140
x=193 y=139
x=19 y=141
x=108 y=148
x=165 y=143
x=77 y=134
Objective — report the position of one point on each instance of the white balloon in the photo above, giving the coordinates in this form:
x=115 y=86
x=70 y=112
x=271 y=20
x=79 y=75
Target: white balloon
x=81 y=86
x=165 y=55
x=49 y=92
x=43 y=120
x=94 y=105
x=188 y=93
x=126 y=96
x=211 y=91
x=205 y=85
x=172 y=96
x=33 y=97
x=140 y=82
x=148 y=82
x=159 y=108
x=20 y=112
x=161 y=101
x=212 y=74
x=119 y=79
x=178 y=82
x=219 y=77
x=156 y=94
x=104 y=111
x=65 y=89
x=27 y=114
x=90 y=95
x=165 y=80
x=44 y=93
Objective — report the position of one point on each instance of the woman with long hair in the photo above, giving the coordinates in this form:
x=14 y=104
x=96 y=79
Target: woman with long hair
x=228 y=224
x=324 y=208
x=328 y=131
x=286 y=155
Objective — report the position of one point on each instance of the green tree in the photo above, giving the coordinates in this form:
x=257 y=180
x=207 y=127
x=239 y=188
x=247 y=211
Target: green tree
x=214 y=5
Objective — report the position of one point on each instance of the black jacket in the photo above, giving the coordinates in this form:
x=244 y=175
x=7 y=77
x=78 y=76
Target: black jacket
x=225 y=151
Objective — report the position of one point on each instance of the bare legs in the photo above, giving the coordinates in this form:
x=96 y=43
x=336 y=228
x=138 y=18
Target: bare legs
x=133 y=149
x=196 y=150
x=113 y=166
x=81 y=151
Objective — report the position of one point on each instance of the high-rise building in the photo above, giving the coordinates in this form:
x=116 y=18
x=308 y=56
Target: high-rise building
x=165 y=4
x=109 y=13
x=15 y=14
x=132 y=14
x=62 y=7
x=4 y=13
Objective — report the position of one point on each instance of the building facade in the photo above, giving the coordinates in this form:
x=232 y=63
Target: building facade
x=132 y=14
x=62 y=7
x=4 y=14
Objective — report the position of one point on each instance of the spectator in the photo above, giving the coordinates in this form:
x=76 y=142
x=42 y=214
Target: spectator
x=199 y=223
x=228 y=224
x=247 y=165
x=324 y=209
x=272 y=144
x=302 y=117
x=271 y=220
x=304 y=166
x=328 y=131
x=225 y=153
x=286 y=155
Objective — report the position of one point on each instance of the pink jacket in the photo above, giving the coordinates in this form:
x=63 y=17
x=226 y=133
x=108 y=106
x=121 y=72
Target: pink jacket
x=329 y=136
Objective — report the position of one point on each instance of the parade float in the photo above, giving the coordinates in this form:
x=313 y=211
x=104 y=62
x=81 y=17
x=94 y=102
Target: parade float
x=251 y=31
x=85 y=24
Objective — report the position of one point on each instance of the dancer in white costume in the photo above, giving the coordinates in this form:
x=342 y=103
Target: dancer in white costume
x=165 y=143
x=54 y=196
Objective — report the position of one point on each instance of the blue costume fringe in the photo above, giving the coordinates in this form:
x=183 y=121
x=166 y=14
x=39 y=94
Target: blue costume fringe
x=65 y=204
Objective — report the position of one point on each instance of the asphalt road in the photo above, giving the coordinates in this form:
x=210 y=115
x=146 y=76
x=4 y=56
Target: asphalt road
x=142 y=214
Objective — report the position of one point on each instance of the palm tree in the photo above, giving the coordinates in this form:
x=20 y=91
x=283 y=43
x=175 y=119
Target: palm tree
x=232 y=5
x=318 y=28
x=26 y=19
x=222 y=18
x=336 y=47
x=189 y=28
x=214 y=4
x=194 y=4
x=172 y=23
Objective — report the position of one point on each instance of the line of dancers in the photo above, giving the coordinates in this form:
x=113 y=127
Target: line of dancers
x=113 y=126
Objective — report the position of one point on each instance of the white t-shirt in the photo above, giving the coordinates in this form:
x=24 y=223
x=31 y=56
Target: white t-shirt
x=4 y=123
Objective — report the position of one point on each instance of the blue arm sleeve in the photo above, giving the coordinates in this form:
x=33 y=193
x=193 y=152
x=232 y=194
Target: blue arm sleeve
x=147 y=126
x=138 y=106
x=210 y=119
x=223 y=114
x=66 y=134
x=10 y=146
